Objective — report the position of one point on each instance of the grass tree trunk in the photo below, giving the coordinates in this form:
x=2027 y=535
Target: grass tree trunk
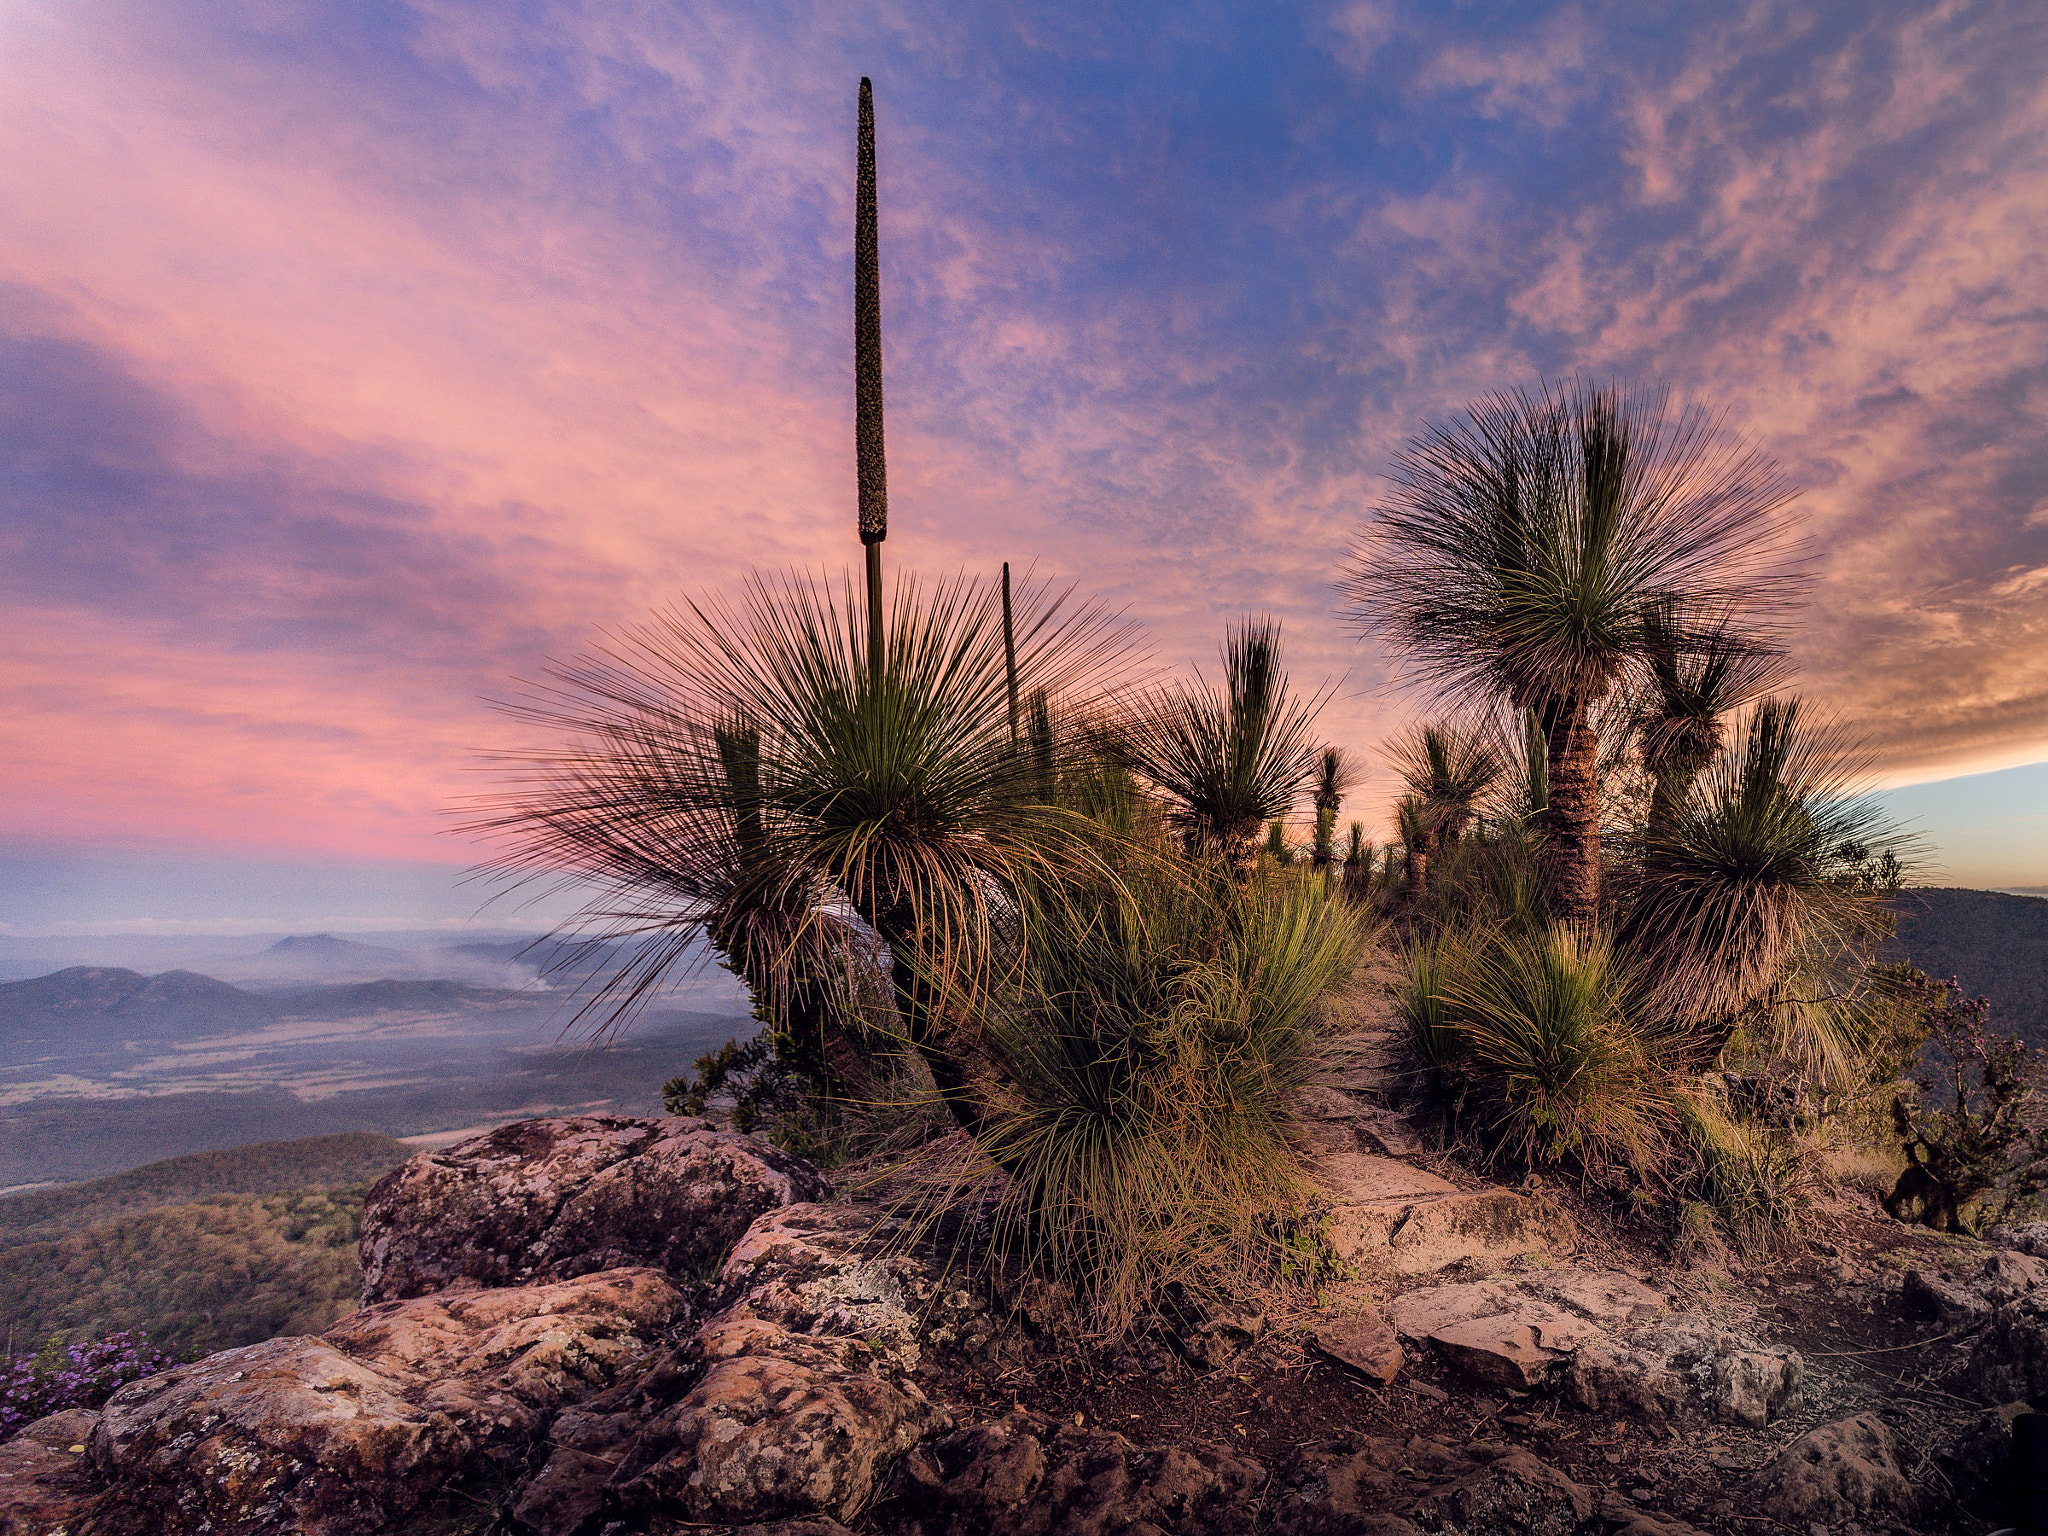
x=1415 y=871
x=954 y=1053
x=1572 y=817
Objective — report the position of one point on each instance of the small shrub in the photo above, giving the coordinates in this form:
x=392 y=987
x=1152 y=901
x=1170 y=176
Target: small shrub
x=1760 y=1182
x=1973 y=1134
x=1160 y=1028
x=1550 y=1048
x=83 y=1375
x=1426 y=1021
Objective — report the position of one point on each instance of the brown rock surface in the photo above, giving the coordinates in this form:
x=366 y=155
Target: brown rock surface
x=1012 y=1478
x=1363 y=1341
x=291 y=1435
x=806 y=1393
x=2011 y=1356
x=1686 y=1370
x=551 y=1199
x=1840 y=1473
x=44 y=1489
x=1360 y=1485
x=351 y=1432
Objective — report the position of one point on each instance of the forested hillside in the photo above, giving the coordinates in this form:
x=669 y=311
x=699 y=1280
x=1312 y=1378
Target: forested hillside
x=202 y=1276
x=271 y=1167
x=1995 y=944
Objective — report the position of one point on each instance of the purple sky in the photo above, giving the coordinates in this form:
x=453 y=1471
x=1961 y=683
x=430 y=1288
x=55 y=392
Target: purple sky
x=358 y=357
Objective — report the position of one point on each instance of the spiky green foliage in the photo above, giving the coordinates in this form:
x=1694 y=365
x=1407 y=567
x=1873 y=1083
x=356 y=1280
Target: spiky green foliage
x=1450 y=767
x=1760 y=1182
x=1524 y=548
x=1151 y=1055
x=1276 y=844
x=1549 y=1037
x=1334 y=776
x=1699 y=672
x=1228 y=761
x=1765 y=865
x=894 y=795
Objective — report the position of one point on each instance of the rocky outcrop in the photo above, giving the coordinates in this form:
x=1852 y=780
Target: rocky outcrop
x=794 y=1398
x=1391 y=1215
x=1840 y=1473
x=2010 y=1360
x=1364 y=1486
x=2028 y=1237
x=551 y=1199
x=1604 y=1337
x=1363 y=1341
x=1686 y=1371
x=1018 y=1477
x=348 y=1433
x=44 y=1489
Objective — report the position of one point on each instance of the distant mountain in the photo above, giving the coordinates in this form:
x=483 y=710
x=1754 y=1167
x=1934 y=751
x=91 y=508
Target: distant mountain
x=1994 y=943
x=110 y=1001
x=324 y=949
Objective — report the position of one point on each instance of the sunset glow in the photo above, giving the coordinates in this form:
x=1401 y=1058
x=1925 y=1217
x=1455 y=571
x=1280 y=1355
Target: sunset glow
x=358 y=359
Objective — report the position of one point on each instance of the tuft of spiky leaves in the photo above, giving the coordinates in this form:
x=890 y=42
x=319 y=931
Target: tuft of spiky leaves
x=1547 y=1029
x=1765 y=864
x=1159 y=1029
x=1228 y=761
x=892 y=795
x=1450 y=767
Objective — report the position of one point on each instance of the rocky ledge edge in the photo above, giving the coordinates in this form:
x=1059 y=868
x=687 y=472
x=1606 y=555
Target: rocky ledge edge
x=602 y=1324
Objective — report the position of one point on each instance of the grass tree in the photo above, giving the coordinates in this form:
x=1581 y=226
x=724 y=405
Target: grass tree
x=1334 y=777
x=1525 y=548
x=894 y=797
x=1698 y=672
x=1450 y=767
x=1228 y=761
x=1766 y=864
x=1417 y=829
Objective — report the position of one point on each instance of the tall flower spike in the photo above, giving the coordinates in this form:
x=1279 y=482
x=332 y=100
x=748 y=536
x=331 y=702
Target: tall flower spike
x=871 y=465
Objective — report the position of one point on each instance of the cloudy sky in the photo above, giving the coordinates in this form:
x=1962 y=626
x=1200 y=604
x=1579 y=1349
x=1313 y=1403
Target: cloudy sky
x=360 y=356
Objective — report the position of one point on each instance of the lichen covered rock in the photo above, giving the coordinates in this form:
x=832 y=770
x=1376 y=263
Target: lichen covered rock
x=1686 y=1371
x=1840 y=1473
x=552 y=1199
x=44 y=1487
x=351 y=1432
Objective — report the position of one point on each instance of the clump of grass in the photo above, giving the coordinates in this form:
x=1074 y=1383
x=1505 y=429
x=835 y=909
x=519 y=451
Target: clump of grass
x=1547 y=1036
x=1761 y=1183
x=1160 y=1025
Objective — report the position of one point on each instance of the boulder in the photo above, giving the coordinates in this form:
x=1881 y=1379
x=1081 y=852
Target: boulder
x=552 y=1199
x=287 y=1436
x=2011 y=1357
x=1686 y=1370
x=785 y=1429
x=44 y=1489
x=1515 y=1350
x=1837 y=1474
x=1932 y=1297
x=1363 y=1341
x=1361 y=1485
x=1013 y=1478
x=793 y=1399
x=352 y=1432
x=2027 y=1237
x=2007 y=1276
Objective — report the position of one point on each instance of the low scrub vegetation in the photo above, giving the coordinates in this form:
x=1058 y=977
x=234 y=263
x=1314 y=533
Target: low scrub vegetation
x=205 y=1275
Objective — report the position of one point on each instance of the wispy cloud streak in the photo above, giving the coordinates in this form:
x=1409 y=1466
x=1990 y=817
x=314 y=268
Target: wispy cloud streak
x=357 y=359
